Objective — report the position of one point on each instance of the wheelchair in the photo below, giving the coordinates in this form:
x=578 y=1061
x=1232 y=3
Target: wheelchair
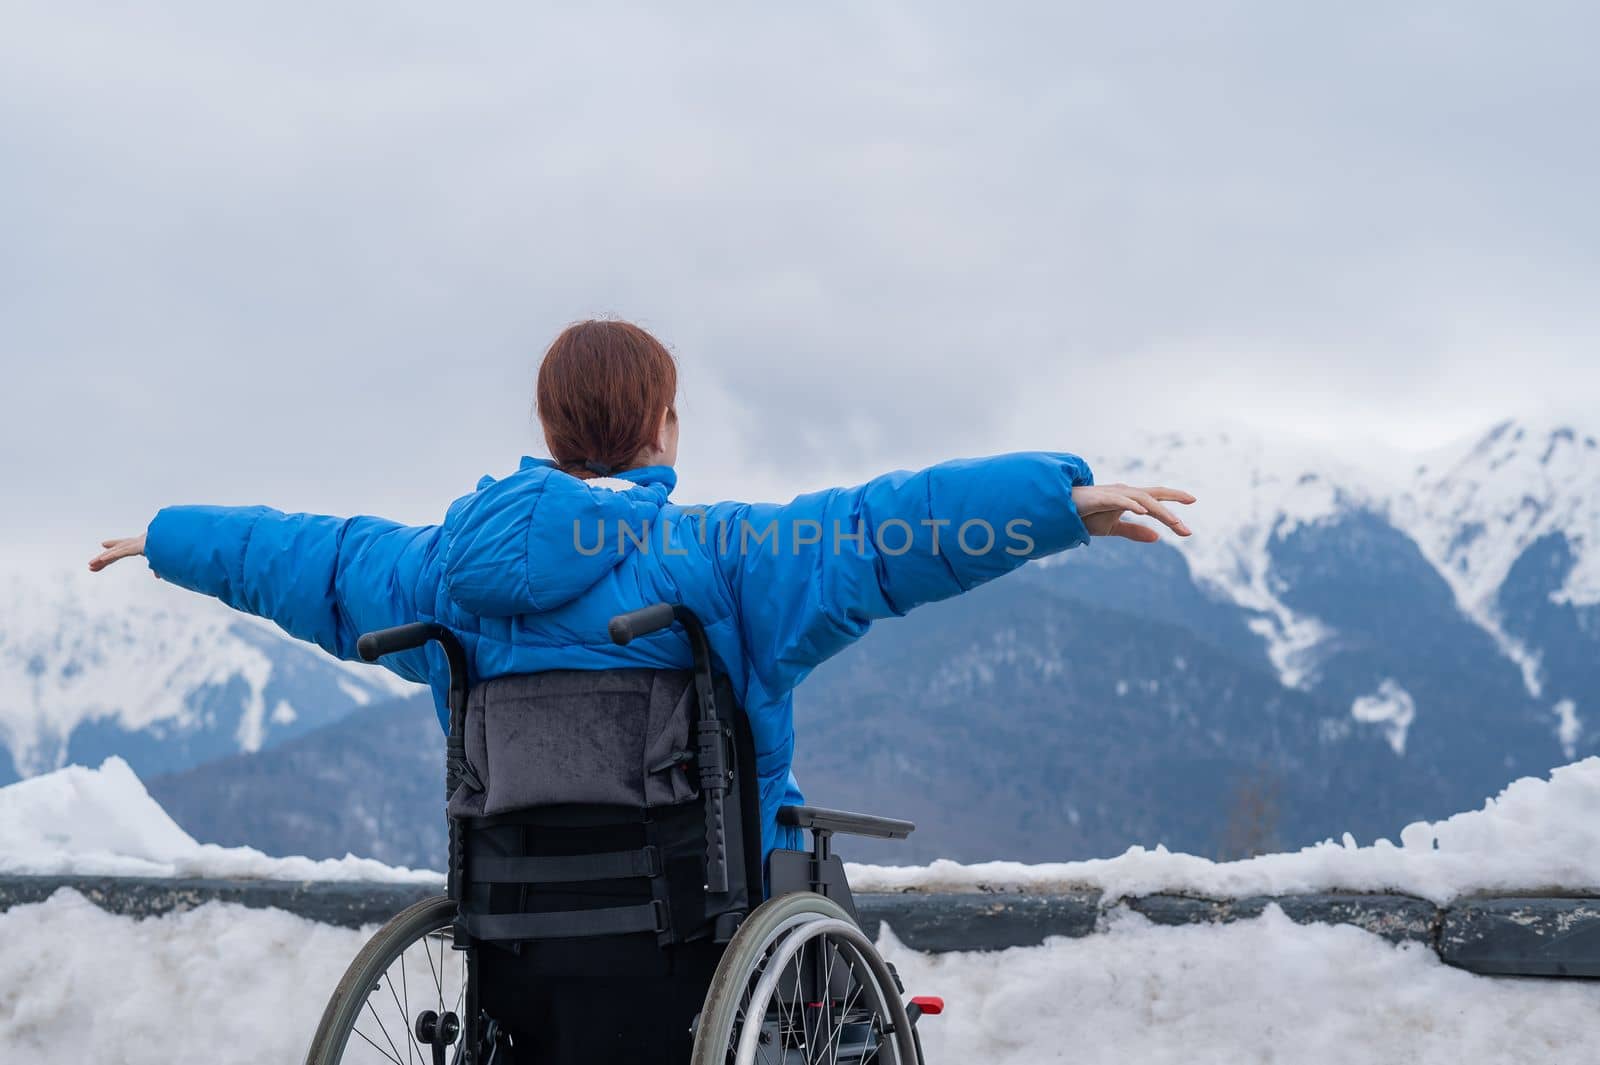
x=604 y=824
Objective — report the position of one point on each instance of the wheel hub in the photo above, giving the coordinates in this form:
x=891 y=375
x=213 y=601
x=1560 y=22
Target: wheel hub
x=439 y=1033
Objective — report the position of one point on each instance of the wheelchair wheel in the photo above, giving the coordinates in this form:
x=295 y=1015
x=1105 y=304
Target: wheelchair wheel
x=401 y=998
x=801 y=984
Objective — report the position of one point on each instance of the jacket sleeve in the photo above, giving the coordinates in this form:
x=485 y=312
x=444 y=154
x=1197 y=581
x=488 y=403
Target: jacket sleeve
x=322 y=579
x=812 y=575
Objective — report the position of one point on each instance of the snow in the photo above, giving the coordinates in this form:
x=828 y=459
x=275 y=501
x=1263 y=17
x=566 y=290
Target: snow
x=1472 y=508
x=1392 y=708
x=218 y=984
x=102 y=822
x=1520 y=481
x=120 y=646
x=1264 y=990
x=1569 y=726
x=78 y=984
x=72 y=652
x=1248 y=494
x=1536 y=836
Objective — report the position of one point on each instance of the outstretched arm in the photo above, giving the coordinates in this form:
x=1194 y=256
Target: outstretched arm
x=838 y=560
x=322 y=579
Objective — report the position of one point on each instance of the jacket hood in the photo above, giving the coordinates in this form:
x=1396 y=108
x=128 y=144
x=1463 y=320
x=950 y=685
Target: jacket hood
x=541 y=538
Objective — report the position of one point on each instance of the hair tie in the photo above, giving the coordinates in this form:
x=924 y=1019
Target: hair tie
x=599 y=468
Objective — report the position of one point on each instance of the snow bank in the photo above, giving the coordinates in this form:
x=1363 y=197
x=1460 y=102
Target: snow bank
x=1264 y=990
x=102 y=822
x=218 y=984
x=1535 y=836
x=78 y=984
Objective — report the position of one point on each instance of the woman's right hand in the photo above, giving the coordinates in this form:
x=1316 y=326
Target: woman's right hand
x=1101 y=507
x=127 y=547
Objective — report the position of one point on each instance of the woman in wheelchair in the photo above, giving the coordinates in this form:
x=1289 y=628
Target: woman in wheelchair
x=615 y=670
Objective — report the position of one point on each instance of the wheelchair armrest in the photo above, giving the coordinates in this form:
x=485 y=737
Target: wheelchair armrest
x=814 y=817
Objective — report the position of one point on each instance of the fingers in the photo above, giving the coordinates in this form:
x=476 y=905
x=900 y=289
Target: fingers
x=1106 y=503
x=1119 y=500
x=114 y=549
x=1130 y=530
x=1159 y=512
x=1101 y=498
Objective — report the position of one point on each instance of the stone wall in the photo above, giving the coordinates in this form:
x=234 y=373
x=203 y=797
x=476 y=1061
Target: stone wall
x=1535 y=936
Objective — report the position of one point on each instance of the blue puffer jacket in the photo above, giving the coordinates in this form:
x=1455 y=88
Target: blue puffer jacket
x=529 y=569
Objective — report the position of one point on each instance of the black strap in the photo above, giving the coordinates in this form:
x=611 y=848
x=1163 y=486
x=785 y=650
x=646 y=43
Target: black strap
x=659 y=888
x=567 y=924
x=565 y=869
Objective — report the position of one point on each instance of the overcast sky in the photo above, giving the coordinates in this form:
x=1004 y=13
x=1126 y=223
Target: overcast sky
x=309 y=255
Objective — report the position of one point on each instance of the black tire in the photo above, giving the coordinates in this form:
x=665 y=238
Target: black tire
x=366 y=976
x=799 y=921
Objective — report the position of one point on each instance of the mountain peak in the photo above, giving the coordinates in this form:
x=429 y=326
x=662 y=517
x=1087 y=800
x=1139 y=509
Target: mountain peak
x=87 y=658
x=1539 y=440
x=1472 y=508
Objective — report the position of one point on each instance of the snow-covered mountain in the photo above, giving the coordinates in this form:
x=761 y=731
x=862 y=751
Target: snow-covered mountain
x=1431 y=629
x=1509 y=521
x=1250 y=494
x=118 y=663
x=1478 y=511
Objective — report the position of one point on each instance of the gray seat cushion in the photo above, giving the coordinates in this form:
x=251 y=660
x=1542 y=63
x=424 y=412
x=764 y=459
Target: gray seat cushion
x=577 y=736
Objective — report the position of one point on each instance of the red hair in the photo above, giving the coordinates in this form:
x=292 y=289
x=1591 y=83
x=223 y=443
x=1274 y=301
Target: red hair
x=601 y=390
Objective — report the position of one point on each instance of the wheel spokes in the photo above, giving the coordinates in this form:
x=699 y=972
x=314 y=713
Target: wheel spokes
x=389 y=997
x=383 y=1029
x=376 y=1047
x=813 y=999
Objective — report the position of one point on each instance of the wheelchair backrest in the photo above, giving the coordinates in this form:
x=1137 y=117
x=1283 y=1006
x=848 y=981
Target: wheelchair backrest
x=582 y=811
x=615 y=737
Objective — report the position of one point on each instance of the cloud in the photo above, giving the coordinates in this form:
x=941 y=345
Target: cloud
x=309 y=255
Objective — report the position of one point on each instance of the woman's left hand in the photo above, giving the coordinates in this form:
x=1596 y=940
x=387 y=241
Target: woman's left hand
x=127 y=547
x=1101 y=507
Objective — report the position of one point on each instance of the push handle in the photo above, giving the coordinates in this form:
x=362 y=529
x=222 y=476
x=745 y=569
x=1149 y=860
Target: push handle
x=625 y=628
x=712 y=736
x=374 y=645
